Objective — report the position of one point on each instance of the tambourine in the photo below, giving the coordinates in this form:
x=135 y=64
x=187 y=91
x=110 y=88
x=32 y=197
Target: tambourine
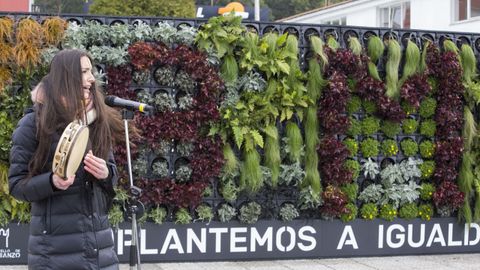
x=70 y=150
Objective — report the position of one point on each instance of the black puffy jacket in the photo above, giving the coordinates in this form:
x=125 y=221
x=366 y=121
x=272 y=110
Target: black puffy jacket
x=69 y=228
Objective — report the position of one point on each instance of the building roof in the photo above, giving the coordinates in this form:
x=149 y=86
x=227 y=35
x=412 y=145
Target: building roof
x=315 y=10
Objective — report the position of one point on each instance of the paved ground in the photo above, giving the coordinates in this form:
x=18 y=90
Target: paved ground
x=431 y=262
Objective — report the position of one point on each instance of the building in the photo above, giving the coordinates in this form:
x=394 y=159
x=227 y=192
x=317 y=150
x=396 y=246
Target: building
x=16 y=5
x=437 y=15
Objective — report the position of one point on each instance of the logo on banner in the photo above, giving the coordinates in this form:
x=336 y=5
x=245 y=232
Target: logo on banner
x=6 y=252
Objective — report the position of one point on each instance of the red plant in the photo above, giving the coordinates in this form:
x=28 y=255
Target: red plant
x=333 y=104
x=333 y=155
x=334 y=202
x=415 y=89
x=448 y=196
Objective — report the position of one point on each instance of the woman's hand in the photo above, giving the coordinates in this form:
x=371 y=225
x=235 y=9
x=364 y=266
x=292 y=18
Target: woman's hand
x=61 y=183
x=96 y=166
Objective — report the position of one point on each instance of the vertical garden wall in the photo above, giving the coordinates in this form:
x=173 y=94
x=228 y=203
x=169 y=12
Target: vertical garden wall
x=306 y=129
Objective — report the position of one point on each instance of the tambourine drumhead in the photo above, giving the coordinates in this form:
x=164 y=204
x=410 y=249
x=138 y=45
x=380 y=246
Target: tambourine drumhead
x=70 y=150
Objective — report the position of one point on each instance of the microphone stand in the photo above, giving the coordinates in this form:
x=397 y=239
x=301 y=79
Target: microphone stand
x=135 y=207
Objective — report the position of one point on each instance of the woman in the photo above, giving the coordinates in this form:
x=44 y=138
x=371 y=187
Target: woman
x=69 y=228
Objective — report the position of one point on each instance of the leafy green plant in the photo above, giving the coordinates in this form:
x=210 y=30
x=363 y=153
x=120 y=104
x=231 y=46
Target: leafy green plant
x=370 y=125
x=204 y=213
x=427 y=107
x=427 y=168
x=229 y=191
x=354 y=104
x=408 y=211
x=388 y=212
x=140 y=166
x=158 y=214
x=350 y=190
x=425 y=211
x=309 y=199
x=160 y=168
x=182 y=216
x=427 y=149
x=183 y=173
x=369 y=106
x=428 y=128
x=164 y=101
x=354 y=167
x=292 y=174
x=390 y=129
x=408 y=108
x=369 y=211
x=371 y=194
x=288 y=212
x=351 y=213
x=369 y=147
x=115 y=215
x=226 y=212
x=409 y=147
x=250 y=212
x=409 y=126
x=352 y=146
x=355 y=127
x=426 y=191
x=389 y=148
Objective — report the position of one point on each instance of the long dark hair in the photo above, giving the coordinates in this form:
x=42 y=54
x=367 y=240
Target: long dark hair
x=63 y=102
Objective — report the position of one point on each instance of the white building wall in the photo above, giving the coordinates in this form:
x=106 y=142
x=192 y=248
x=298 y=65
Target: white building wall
x=436 y=15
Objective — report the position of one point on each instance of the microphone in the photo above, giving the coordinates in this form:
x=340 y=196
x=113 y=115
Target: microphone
x=114 y=101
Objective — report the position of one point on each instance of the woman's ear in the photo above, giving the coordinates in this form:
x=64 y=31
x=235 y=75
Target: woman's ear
x=37 y=94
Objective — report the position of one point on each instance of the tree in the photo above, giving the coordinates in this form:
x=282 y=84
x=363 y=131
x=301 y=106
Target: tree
x=60 y=6
x=159 y=8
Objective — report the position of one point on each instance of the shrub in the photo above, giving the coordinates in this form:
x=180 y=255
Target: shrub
x=158 y=214
x=204 y=213
x=352 y=211
x=428 y=128
x=388 y=212
x=391 y=129
x=426 y=191
x=425 y=211
x=369 y=106
x=355 y=127
x=409 y=126
x=250 y=212
x=427 y=168
x=354 y=104
x=427 y=107
x=369 y=147
x=409 y=147
x=408 y=211
x=389 y=148
x=354 y=167
x=226 y=212
x=182 y=216
x=288 y=212
x=352 y=146
x=350 y=190
x=427 y=149
x=408 y=108
x=370 y=125
x=369 y=211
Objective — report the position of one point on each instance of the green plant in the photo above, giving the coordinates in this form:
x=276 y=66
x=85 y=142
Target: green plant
x=250 y=212
x=294 y=145
x=409 y=147
x=204 y=213
x=369 y=106
x=351 y=213
x=115 y=215
x=370 y=125
x=354 y=104
x=370 y=168
x=182 y=216
x=272 y=158
x=427 y=149
x=428 y=128
x=207 y=192
x=408 y=108
x=369 y=147
x=409 y=126
x=369 y=211
x=355 y=127
x=408 y=211
x=251 y=177
x=229 y=191
x=158 y=214
x=427 y=168
x=426 y=191
x=226 y=212
x=425 y=211
x=389 y=148
x=350 y=190
x=390 y=129
x=388 y=212
x=427 y=107
x=309 y=199
x=391 y=68
x=164 y=101
x=354 y=167
x=292 y=174
x=352 y=146
x=288 y=212
x=371 y=194
x=183 y=173
x=159 y=167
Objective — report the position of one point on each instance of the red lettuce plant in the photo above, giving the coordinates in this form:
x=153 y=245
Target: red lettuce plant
x=448 y=198
x=333 y=154
x=333 y=104
x=414 y=89
x=334 y=203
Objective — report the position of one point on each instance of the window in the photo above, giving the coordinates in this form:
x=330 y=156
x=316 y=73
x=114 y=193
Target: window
x=396 y=16
x=341 y=21
x=466 y=9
